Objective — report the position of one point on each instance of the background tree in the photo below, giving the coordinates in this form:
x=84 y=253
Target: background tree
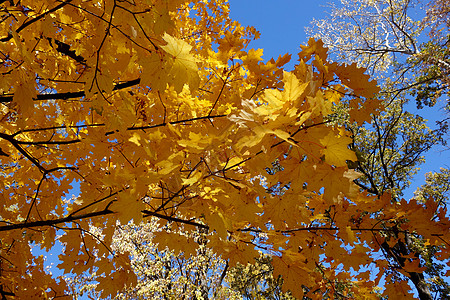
x=404 y=44
x=432 y=63
x=157 y=109
x=169 y=274
x=162 y=273
x=387 y=37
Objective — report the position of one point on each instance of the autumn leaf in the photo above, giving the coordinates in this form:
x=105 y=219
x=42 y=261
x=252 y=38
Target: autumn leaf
x=184 y=66
x=293 y=268
x=313 y=47
x=129 y=207
x=195 y=176
x=354 y=77
x=155 y=71
x=336 y=150
x=25 y=95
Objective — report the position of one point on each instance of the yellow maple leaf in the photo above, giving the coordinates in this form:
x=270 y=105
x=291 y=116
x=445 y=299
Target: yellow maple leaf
x=277 y=101
x=235 y=251
x=354 y=77
x=293 y=267
x=24 y=94
x=292 y=87
x=176 y=242
x=253 y=58
x=128 y=207
x=218 y=222
x=184 y=68
x=313 y=47
x=361 y=111
x=336 y=151
x=413 y=266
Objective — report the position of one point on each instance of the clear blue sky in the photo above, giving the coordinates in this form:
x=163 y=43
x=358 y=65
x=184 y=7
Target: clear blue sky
x=281 y=23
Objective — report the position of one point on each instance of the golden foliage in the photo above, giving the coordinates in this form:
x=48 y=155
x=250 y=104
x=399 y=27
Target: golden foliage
x=157 y=108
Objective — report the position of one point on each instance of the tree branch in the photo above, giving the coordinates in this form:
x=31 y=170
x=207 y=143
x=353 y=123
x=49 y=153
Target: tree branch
x=148 y=213
x=55 y=221
x=71 y=95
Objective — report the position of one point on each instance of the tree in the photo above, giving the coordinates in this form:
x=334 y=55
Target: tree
x=384 y=37
x=162 y=273
x=256 y=281
x=169 y=274
x=157 y=109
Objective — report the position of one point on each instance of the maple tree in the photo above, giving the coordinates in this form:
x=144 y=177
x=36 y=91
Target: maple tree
x=157 y=109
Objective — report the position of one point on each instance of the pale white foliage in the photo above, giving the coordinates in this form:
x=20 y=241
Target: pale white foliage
x=162 y=274
x=372 y=33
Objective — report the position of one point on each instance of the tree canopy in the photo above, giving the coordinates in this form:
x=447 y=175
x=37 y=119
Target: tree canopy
x=404 y=44
x=159 y=109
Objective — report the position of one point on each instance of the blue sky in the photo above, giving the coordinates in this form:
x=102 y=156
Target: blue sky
x=281 y=23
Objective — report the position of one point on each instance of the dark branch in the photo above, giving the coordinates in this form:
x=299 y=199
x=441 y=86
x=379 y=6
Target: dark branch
x=55 y=221
x=71 y=95
x=64 y=48
x=148 y=213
